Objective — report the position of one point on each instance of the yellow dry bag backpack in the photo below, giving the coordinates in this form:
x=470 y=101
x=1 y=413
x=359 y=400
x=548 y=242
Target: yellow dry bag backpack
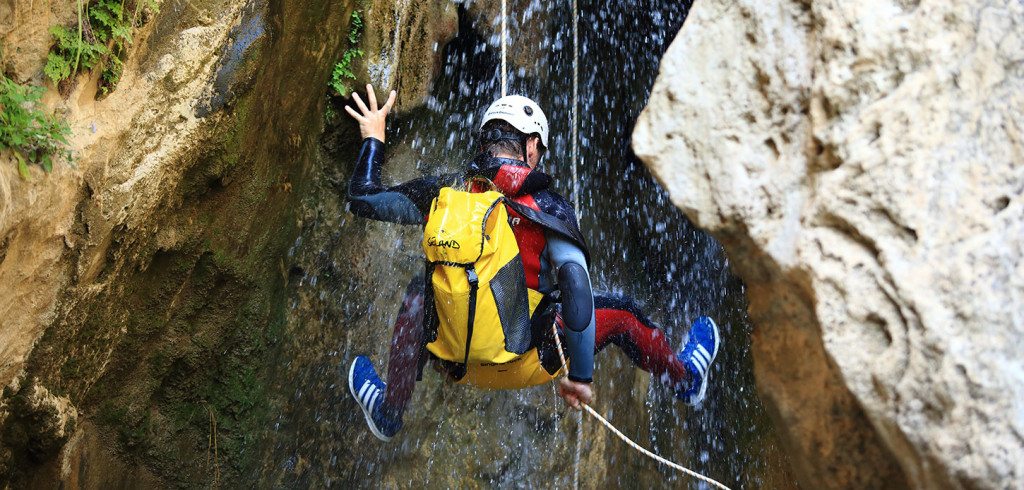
x=476 y=280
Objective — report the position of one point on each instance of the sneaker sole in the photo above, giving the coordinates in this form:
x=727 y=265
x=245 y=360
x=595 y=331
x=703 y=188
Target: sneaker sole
x=366 y=412
x=704 y=382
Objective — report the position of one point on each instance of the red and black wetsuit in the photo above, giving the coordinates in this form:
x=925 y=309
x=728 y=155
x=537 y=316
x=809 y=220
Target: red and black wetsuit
x=554 y=259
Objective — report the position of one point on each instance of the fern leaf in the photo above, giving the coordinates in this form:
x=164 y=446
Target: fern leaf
x=22 y=166
x=103 y=17
x=57 y=67
x=124 y=32
x=114 y=7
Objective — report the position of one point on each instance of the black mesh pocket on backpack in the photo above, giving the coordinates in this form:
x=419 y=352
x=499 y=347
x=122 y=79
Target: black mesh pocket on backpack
x=509 y=289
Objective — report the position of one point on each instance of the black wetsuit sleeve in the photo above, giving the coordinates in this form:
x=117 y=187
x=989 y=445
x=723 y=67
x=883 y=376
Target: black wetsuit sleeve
x=406 y=203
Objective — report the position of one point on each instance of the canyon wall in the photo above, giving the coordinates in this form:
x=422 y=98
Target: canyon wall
x=183 y=296
x=862 y=164
x=144 y=280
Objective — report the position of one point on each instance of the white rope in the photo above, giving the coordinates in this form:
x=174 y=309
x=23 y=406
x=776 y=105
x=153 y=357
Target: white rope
x=575 y=104
x=627 y=440
x=579 y=449
x=576 y=200
x=504 y=44
x=650 y=454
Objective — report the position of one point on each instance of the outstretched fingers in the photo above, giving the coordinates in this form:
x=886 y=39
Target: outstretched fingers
x=371 y=119
x=372 y=97
x=390 y=102
x=359 y=102
x=352 y=112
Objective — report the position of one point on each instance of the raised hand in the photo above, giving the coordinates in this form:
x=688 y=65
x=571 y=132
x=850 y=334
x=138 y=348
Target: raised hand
x=371 y=119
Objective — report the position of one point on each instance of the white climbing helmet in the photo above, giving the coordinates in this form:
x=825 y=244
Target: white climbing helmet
x=521 y=112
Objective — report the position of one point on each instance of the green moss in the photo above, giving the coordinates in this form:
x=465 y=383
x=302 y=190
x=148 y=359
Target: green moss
x=133 y=426
x=216 y=368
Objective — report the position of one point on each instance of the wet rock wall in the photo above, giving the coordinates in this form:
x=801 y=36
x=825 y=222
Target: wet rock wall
x=861 y=163
x=189 y=291
x=146 y=278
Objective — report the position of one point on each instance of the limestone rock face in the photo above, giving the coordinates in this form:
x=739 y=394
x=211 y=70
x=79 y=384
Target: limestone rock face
x=862 y=163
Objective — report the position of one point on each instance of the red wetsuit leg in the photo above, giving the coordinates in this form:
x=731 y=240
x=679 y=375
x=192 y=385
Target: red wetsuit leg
x=405 y=349
x=619 y=322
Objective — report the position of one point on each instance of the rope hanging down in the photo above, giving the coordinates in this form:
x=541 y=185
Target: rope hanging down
x=627 y=440
x=575 y=91
x=576 y=201
x=575 y=104
x=576 y=206
x=504 y=44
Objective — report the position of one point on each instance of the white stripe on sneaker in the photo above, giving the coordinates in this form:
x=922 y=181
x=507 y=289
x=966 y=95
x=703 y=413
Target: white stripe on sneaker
x=700 y=365
x=702 y=356
x=701 y=350
x=370 y=395
x=363 y=390
x=373 y=400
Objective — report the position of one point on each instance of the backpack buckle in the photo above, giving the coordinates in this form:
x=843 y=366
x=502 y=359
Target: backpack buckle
x=471 y=273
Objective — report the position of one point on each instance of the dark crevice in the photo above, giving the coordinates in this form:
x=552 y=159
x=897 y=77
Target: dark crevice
x=770 y=143
x=1000 y=203
x=850 y=231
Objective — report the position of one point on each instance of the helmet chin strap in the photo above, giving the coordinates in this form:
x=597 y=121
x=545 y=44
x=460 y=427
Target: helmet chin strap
x=522 y=143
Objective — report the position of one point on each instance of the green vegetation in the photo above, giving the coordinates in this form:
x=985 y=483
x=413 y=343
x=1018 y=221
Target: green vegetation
x=70 y=53
x=111 y=28
x=343 y=69
x=27 y=130
x=100 y=39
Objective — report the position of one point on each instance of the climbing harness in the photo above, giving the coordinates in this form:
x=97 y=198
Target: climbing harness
x=627 y=440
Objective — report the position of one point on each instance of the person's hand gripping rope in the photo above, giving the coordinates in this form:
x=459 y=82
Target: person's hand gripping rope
x=575 y=394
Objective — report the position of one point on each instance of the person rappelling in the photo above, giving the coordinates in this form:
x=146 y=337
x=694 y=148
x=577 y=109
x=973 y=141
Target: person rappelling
x=505 y=261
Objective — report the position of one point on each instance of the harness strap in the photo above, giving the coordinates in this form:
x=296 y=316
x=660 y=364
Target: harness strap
x=551 y=223
x=474 y=283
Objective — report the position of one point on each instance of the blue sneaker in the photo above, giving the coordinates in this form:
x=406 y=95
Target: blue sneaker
x=368 y=391
x=698 y=354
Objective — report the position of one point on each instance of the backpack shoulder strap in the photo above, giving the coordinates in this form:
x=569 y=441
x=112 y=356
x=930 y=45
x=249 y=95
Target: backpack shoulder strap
x=551 y=223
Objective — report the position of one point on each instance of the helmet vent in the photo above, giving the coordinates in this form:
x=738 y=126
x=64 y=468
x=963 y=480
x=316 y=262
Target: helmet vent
x=528 y=110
